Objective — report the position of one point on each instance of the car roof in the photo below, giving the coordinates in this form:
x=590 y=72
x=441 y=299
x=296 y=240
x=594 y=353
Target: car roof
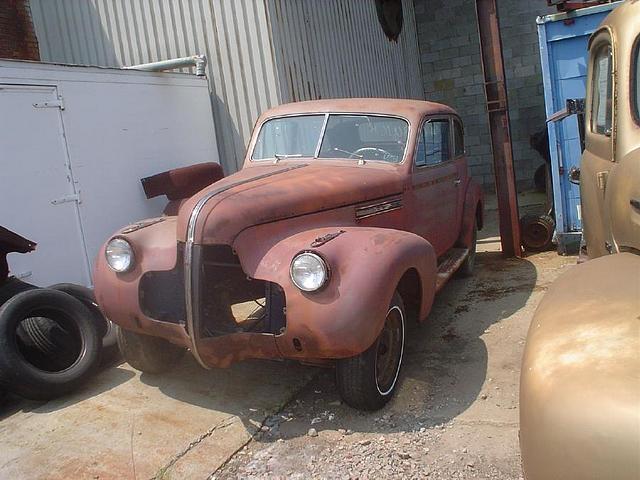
x=412 y=110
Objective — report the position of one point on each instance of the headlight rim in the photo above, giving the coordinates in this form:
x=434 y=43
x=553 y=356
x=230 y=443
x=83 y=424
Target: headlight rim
x=323 y=261
x=132 y=262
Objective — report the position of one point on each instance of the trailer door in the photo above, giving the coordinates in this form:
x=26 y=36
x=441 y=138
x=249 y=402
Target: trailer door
x=38 y=199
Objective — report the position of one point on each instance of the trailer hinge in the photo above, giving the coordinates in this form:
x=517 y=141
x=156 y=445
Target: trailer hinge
x=51 y=104
x=67 y=199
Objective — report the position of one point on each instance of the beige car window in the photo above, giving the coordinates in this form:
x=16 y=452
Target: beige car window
x=636 y=81
x=602 y=91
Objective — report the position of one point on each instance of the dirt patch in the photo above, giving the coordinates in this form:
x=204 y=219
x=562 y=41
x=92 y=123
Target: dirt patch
x=456 y=414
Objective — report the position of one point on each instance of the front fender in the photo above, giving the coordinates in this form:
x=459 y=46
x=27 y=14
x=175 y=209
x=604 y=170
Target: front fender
x=473 y=213
x=346 y=316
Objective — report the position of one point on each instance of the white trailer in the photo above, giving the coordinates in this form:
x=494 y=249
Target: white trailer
x=74 y=143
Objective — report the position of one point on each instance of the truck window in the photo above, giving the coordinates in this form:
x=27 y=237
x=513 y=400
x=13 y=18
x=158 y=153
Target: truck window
x=602 y=91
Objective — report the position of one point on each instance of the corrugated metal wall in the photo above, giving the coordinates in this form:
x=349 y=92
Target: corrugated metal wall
x=261 y=52
x=232 y=33
x=336 y=48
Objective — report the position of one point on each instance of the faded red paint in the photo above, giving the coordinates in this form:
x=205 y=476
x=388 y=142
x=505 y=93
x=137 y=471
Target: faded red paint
x=270 y=212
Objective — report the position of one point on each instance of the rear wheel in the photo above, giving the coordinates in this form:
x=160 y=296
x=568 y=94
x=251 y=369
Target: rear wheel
x=146 y=353
x=368 y=381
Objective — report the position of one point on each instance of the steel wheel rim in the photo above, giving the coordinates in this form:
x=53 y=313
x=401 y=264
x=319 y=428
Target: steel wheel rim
x=389 y=351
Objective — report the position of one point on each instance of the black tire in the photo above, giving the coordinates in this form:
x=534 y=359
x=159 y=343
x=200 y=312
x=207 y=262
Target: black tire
x=146 y=353
x=11 y=287
x=536 y=232
x=86 y=296
x=360 y=383
x=467 y=267
x=48 y=347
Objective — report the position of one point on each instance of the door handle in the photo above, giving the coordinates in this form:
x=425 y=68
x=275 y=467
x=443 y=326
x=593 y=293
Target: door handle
x=601 y=178
x=635 y=203
x=457 y=182
x=66 y=199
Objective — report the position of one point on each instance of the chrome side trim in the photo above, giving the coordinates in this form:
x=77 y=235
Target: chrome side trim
x=378 y=208
x=193 y=323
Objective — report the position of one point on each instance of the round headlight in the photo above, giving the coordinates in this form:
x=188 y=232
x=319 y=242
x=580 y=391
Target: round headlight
x=309 y=272
x=119 y=255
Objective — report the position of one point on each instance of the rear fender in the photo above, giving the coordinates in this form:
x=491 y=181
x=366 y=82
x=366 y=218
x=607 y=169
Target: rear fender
x=345 y=317
x=473 y=213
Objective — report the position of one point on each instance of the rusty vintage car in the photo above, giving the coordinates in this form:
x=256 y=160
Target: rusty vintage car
x=347 y=218
x=580 y=380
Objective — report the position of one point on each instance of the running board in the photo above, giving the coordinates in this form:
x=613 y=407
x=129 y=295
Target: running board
x=448 y=265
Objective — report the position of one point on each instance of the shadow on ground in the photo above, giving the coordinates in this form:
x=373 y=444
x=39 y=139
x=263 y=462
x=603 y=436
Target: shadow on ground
x=109 y=375
x=445 y=363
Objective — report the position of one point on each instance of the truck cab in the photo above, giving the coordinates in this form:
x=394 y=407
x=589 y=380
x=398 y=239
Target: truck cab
x=610 y=168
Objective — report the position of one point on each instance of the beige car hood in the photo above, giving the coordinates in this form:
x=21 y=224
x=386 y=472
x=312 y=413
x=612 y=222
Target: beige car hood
x=580 y=380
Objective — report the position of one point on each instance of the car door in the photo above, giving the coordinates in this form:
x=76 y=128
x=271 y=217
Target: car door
x=39 y=197
x=597 y=158
x=460 y=160
x=434 y=185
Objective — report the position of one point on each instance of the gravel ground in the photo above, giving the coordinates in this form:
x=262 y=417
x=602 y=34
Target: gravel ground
x=456 y=413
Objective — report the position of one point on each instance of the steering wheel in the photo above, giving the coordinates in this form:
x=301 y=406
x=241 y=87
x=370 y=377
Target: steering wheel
x=377 y=151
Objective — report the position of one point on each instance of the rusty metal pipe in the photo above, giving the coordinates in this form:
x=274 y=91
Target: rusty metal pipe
x=498 y=114
x=198 y=61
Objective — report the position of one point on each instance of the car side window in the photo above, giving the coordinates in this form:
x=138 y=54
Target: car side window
x=433 y=145
x=458 y=139
x=601 y=103
x=635 y=75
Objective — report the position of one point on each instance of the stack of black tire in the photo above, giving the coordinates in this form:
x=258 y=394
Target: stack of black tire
x=51 y=339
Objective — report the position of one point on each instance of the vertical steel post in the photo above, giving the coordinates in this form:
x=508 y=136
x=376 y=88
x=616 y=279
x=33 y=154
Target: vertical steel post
x=498 y=113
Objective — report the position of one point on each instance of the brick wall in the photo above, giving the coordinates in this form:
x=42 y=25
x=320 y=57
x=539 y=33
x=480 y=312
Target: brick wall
x=17 y=37
x=452 y=73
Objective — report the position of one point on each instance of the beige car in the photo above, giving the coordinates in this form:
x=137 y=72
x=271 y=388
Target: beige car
x=610 y=170
x=580 y=380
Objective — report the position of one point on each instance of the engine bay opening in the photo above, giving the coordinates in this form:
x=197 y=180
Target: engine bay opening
x=231 y=302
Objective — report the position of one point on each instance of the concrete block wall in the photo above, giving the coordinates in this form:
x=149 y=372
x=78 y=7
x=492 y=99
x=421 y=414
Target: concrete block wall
x=17 y=37
x=452 y=74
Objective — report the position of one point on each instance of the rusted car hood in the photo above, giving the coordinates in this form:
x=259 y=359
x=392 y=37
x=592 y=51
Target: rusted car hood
x=269 y=193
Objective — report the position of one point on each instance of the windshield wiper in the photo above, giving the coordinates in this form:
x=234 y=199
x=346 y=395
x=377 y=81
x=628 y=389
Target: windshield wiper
x=352 y=154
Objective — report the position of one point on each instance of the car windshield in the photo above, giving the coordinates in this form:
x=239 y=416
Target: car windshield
x=355 y=137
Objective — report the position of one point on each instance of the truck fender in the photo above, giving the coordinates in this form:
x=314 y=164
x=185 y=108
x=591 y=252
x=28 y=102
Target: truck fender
x=366 y=265
x=473 y=213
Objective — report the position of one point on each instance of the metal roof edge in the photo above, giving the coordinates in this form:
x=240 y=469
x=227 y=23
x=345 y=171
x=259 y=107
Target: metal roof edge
x=6 y=62
x=555 y=17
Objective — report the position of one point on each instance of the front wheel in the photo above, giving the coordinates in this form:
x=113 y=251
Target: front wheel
x=146 y=353
x=369 y=380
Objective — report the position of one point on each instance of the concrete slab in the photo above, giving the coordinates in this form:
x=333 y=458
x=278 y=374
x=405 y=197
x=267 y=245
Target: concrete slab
x=183 y=424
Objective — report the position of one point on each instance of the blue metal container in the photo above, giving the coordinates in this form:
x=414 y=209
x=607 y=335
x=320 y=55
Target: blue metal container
x=563 y=39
